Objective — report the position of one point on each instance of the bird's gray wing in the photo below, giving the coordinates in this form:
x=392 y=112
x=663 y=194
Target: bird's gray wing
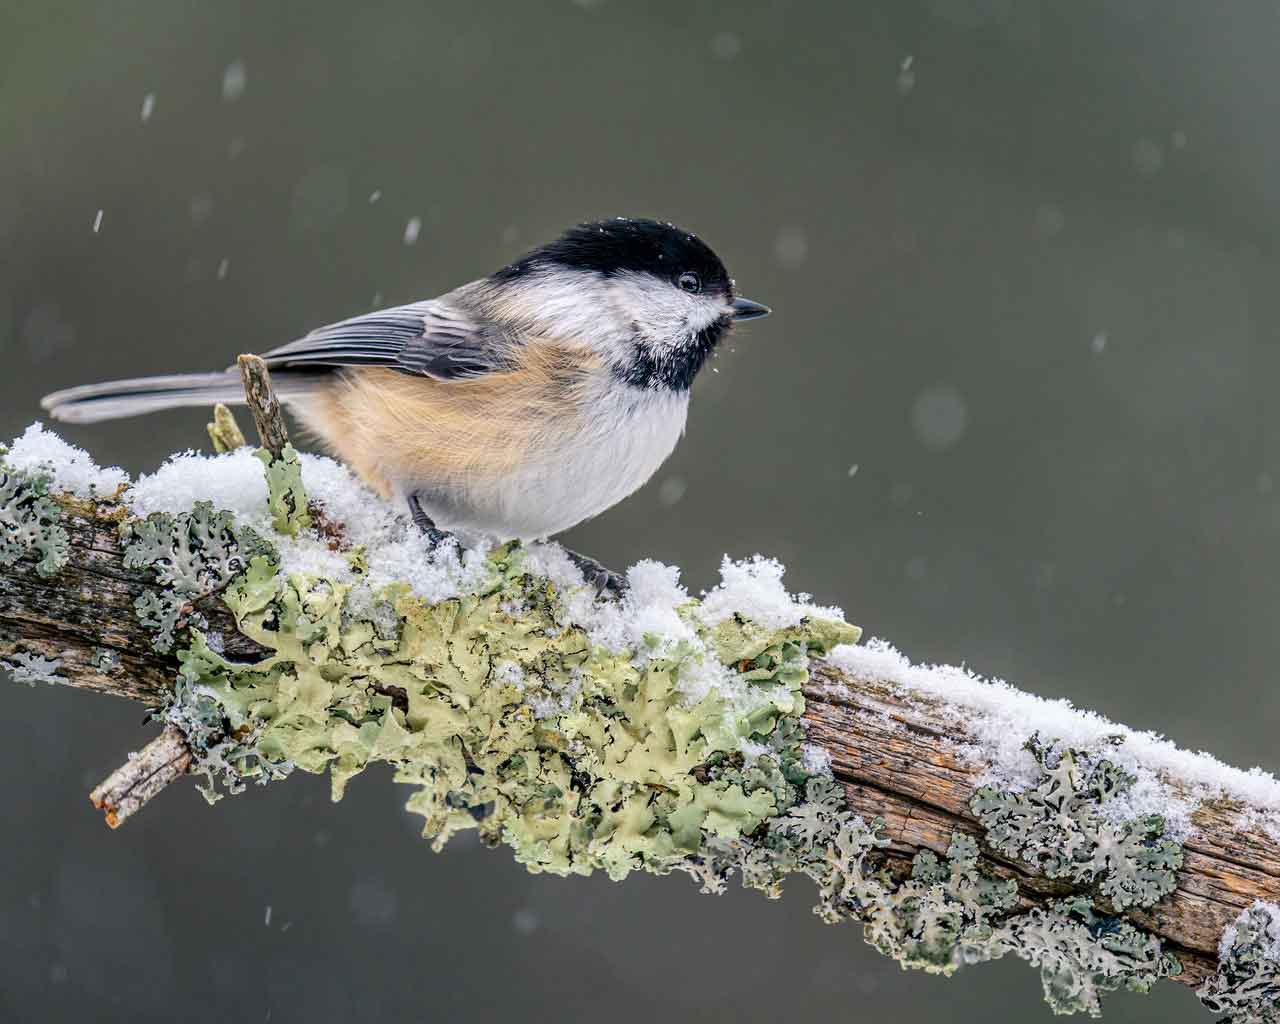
x=430 y=339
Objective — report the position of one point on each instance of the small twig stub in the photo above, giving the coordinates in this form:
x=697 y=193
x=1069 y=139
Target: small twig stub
x=224 y=432
x=264 y=405
x=126 y=790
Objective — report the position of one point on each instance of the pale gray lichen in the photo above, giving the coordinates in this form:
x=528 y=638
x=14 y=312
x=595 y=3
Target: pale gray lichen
x=33 y=668
x=1059 y=826
x=29 y=523
x=1247 y=986
x=105 y=660
x=1082 y=954
x=942 y=918
x=220 y=752
x=947 y=914
x=192 y=554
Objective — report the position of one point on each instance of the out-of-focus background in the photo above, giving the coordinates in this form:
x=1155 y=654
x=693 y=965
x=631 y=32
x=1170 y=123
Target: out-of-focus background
x=1014 y=408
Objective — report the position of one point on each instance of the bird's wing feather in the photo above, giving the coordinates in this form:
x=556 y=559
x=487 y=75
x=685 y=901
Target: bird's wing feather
x=430 y=339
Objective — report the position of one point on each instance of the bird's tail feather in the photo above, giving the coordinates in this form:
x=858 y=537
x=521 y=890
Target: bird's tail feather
x=117 y=399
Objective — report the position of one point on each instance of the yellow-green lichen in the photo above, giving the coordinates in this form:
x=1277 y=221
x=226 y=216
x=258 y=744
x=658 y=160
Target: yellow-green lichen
x=224 y=432
x=286 y=497
x=445 y=693
x=508 y=719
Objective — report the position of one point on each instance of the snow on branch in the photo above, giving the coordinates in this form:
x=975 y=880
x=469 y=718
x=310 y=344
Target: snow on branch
x=277 y=616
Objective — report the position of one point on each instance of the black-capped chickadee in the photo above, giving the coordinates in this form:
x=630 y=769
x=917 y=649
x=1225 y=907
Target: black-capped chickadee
x=515 y=406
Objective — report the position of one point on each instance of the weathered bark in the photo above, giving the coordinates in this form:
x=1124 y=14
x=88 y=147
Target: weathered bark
x=895 y=751
x=261 y=399
x=84 y=618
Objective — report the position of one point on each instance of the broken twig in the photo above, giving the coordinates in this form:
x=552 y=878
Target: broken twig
x=127 y=789
x=264 y=405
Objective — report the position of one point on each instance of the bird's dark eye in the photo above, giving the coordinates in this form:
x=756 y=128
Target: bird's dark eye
x=689 y=282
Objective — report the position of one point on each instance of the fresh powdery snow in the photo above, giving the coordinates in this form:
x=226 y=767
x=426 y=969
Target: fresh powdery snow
x=1001 y=719
x=655 y=619
x=753 y=589
x=234 y=482
x=67 y=467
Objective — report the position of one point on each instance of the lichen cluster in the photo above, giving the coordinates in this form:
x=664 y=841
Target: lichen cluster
x=447 y=694
x=192 y=554
x=1247 y=986
x=30 y=668
x=1060 y=827
x=29 y=526
x=1083 y=953
x=948 y=913
x=286 y=498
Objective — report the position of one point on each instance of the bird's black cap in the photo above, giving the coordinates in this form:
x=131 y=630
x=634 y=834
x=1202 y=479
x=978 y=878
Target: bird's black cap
x=624 y=244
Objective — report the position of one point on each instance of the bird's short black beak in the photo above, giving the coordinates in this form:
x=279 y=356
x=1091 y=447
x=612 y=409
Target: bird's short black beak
x=745 y=309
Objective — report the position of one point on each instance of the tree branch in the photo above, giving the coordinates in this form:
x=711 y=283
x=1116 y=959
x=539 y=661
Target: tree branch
x=897 y=754
x=901 y=754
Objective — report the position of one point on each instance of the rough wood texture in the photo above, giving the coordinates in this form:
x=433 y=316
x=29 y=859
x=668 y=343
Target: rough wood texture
x=262 y=401
x=895 y=752
x=127 y=789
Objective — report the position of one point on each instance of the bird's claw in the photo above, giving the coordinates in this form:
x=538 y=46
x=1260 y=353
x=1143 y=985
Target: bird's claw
x=435 y=536
x=607 y=583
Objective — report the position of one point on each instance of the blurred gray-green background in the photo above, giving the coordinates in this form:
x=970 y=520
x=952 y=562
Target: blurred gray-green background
x=1014 y=408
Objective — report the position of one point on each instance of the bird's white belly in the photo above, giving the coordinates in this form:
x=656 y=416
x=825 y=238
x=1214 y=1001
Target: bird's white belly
x=627 y=435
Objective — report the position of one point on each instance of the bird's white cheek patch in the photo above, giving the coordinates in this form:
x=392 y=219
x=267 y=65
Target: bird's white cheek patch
x=667 y=317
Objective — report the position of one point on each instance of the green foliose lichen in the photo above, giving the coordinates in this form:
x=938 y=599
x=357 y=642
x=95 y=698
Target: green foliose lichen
x=286 y=497
x=606 y=780
x=1061 y=828
x=29 y=523
x=1246 y=987
x=221 y=753
x=192 y=554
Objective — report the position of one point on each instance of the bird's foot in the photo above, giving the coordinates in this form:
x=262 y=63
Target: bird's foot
x=435 y=536
x=607 y=582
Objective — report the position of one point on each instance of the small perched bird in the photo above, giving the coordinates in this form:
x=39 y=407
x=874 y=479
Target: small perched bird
x=515 y=406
